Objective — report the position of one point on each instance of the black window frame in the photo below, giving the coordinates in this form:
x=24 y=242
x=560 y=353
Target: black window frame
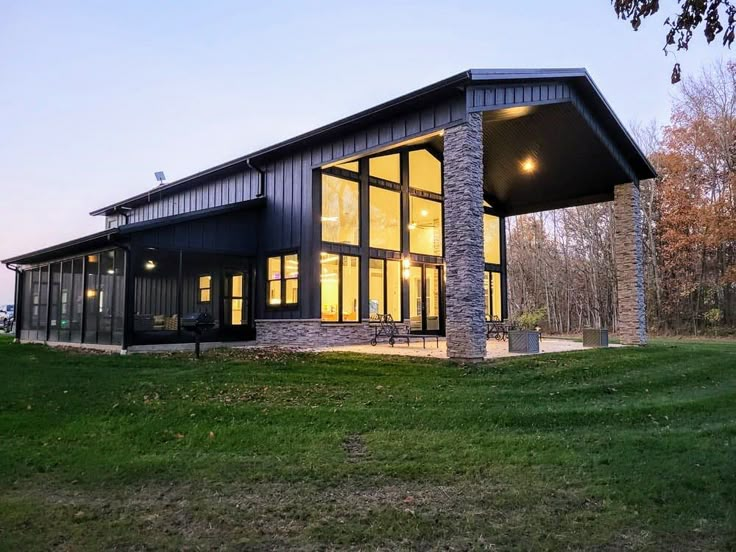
x=200 y=289
x=340 y=282
x=282 y=279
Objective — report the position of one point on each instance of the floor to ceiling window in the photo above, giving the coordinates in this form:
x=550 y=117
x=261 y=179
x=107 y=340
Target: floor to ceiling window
x=385 y=288
x=400 y=195
x=425 y=226
x=340 y=210
x=385 y=218
x=340 y=287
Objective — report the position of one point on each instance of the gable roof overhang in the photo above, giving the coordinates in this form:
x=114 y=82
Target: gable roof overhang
x=579 y=79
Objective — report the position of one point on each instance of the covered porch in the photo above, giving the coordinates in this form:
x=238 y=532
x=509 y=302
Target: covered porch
x=534 y=147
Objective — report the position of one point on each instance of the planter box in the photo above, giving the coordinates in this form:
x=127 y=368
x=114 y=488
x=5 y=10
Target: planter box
x=523 y=341
x=595 y=338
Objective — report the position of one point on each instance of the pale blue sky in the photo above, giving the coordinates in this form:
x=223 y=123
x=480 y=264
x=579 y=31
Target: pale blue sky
x=96 y=96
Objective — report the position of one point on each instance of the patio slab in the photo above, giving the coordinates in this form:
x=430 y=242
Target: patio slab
x=494 y=348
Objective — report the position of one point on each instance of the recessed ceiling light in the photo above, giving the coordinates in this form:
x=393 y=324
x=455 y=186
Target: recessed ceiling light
x=528 y=165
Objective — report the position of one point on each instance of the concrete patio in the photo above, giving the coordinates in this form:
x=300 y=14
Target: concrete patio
x=494 y=348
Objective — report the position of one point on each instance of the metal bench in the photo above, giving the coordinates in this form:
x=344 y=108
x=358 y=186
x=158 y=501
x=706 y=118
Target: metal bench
x=388 y=328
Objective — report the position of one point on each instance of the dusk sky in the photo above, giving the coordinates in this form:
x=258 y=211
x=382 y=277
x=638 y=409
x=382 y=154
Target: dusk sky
x=95 y=97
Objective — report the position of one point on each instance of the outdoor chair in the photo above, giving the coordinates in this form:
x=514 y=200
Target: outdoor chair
x=497 y=328
x=388 y=328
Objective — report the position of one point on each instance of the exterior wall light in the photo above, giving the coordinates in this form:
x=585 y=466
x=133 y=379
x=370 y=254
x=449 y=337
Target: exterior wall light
x=150 y=265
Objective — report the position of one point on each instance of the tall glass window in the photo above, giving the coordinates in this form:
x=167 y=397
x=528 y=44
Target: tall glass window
x=340 y=287
x=425 y=171
x=385 y=288
x=492 y=239
x=492 y=292
x=330 y=286
x=340 y=210
x=350 y=289
x=385 y=221
x=425 y=226
x=385 y=167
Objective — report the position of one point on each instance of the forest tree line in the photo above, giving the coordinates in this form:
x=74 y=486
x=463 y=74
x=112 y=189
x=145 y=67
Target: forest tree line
x=562 y=262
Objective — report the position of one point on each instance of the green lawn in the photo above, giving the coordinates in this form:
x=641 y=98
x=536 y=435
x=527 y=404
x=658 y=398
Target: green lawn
x=610 y=449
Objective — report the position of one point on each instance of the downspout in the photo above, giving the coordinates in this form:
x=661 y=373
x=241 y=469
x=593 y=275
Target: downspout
x=261 y=177
x=18 y=299
x=128 y=292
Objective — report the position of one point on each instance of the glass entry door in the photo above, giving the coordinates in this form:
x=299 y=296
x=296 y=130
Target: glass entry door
x=425 y=299
x=236 y=304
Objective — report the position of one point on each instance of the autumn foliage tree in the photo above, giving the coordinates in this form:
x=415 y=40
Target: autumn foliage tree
x=714 y=17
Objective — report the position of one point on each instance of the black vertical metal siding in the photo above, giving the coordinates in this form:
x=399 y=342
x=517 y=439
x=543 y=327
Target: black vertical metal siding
x=481 y=98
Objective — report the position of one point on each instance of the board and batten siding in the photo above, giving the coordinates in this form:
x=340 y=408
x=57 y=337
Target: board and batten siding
x=485 y=98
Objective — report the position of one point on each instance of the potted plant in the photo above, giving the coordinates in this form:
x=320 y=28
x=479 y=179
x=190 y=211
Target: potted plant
x=525 y=337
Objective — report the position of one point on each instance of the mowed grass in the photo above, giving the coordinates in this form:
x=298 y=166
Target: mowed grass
x=608 y=449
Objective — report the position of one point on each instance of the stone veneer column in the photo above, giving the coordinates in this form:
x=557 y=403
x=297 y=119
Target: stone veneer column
x=463 y=189
x=629 y=265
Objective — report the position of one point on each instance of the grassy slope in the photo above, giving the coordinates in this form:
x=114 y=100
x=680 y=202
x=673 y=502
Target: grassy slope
x=611 y=448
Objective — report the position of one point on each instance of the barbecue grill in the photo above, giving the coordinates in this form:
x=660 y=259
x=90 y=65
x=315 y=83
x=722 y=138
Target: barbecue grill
x=197 y=323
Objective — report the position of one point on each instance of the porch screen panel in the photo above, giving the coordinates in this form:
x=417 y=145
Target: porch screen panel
x=65 y=301
x=54 y=300
x=91 y=302
x=43 y=298
x=106 y=297
x=77 y=300
x=26 y=321
x=118 y=299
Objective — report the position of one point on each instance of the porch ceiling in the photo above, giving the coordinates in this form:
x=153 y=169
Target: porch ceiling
x=573 y=166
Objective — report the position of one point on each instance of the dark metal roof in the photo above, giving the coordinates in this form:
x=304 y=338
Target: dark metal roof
x=108 y=237
x=60 y=250
x=446 y=87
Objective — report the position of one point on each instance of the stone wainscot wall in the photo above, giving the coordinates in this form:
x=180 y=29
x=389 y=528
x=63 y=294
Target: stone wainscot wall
x=312 y=333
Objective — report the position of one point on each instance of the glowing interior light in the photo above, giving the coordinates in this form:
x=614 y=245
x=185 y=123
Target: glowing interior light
x=412 y=226
x=424 y=212
x=406 y=263
x=529 y=165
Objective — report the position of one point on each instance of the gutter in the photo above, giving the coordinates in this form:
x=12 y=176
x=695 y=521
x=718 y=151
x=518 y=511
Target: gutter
x=261 y=177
